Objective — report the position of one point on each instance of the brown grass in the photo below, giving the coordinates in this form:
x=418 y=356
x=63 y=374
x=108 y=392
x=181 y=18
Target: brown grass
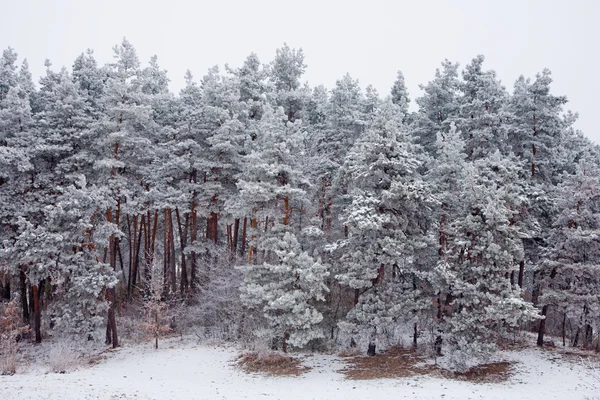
x=271 y=363
x=398 y=362
x=485 y=373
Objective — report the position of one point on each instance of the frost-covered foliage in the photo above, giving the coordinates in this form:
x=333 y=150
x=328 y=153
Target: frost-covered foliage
x=287 y=290
x=483 y=304
x=387 y=227
x=571 y=271
x=272 y=208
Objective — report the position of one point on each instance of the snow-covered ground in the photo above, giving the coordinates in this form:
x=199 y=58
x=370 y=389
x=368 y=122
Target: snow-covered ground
x=186 y=370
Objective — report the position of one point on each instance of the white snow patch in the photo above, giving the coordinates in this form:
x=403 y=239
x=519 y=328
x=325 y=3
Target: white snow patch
x=185 y=370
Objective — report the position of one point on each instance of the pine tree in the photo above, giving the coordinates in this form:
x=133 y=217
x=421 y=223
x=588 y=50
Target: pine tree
x=273 y=186
x=484 y=304
x=387 y=227
x=570 y=274
x=437 y=107
x=481 y=111
x=399 y=94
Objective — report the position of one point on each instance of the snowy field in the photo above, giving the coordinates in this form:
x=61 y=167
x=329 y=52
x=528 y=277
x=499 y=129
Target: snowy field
x=191 y=371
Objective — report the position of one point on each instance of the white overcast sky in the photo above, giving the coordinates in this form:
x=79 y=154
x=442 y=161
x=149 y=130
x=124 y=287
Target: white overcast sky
x=369 y=39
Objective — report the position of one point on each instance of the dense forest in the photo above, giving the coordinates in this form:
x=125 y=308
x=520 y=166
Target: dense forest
x=260 y=207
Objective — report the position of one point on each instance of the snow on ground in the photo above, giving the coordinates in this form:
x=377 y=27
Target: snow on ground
x=185 y=370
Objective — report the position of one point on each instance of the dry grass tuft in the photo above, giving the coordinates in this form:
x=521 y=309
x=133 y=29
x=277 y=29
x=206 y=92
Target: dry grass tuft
x=396 y=362
x=271 y=363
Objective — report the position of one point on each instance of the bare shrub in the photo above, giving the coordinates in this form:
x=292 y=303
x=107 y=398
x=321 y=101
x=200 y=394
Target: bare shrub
x=11 y=329
x=156 y=310
x=62 y=358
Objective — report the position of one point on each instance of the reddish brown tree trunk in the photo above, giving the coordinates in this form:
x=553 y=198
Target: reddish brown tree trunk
x=172 y=252
x=37 y=314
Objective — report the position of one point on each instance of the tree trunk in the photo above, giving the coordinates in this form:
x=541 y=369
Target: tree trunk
x=138 y=245
x=589 y=337
x=542 y=327
x=172 y=252
x=284 y=344
x=182 y=240
x=521 y=273
x=111 y=324
x=37 y=314
x=24 y=303
x=286 y=210
x=576 y=340
x=130 y=244
x=251 y=249
x=193 y=258
x=153 y=238
x=415 y=335
x=564 y=328
x=165 y=254
x=371 y=349
x=243 y=244
x=236 y=230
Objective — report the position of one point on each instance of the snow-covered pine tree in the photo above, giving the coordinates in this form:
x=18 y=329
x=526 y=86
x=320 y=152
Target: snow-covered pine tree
x=570 y=273
x=481 y=111
x=280 y=278
x=286 y=71
x=387 y=224
x=484 y=305
x=437 y=107
x=400 y=95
